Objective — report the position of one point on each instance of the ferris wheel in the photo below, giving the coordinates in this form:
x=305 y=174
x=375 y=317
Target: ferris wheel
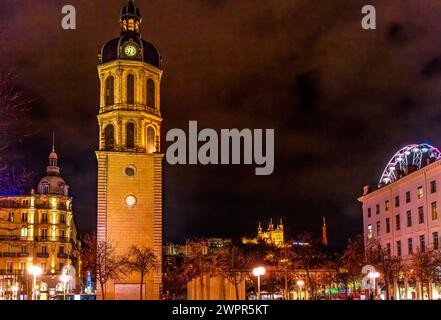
x=412 y=155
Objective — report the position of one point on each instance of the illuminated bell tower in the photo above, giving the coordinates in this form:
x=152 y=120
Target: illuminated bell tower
x=129 y=158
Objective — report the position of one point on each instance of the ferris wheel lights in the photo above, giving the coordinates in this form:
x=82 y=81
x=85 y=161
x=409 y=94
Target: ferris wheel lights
x=415 y=155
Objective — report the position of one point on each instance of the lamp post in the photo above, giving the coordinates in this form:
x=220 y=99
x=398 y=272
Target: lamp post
x=300 y=284
x=14 y=289
x=64 y=278
x=373 y=276
x=34 y=271
x=258 y=272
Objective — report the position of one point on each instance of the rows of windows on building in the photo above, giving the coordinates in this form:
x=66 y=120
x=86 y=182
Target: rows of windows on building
x=130 y=91
x=409 y=216
x=130 y=127
x=38 y=228
x=130 y=143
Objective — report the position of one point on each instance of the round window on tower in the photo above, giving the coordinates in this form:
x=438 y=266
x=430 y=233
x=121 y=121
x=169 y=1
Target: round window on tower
x=130 y=201
x=130 y=171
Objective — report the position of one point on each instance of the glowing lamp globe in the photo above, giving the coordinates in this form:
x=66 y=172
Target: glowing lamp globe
x=300 y=283
x=64 y=278
x=35 y=270
x=259 y=271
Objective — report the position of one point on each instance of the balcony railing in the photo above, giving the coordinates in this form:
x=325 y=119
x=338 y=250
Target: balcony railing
x=131 y=107
x=53 y=239
x=12 y=272
x=14 y=254
x=43 y=255
x=12 y=238
x=9 y=254
x=15 y=205
x=38 y=239
x=59 y=206
x=62 y=255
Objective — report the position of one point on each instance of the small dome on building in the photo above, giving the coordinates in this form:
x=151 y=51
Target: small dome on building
x=52 y=183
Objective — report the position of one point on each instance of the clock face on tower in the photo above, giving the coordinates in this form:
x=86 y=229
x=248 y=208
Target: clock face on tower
x=130 y=50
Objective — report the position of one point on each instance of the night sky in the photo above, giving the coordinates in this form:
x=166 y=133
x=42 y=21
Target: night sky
x=341 y=99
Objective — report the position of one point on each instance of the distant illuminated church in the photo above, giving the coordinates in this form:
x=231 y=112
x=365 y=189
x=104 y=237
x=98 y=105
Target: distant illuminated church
x=274 y=236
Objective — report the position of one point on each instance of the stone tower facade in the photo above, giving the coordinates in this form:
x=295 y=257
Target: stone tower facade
x=129 y=157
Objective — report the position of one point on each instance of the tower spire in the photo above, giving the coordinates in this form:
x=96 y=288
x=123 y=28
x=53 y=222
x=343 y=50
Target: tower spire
x=53 y=141
x=324 y=233
x=52 y=168
x=130 y=18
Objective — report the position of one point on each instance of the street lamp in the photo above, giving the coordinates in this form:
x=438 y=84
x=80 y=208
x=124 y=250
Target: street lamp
x=258 y=272
x=373 y=276
x=64 y=278
x=34 y=271
x=14 y=289
x=300 y=284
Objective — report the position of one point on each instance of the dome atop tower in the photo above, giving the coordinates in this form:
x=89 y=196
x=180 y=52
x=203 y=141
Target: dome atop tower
x=130 y=45
x=130 y=9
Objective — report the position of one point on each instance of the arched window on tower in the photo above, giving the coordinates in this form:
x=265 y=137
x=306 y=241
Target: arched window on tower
x=109 y=136
x=130 y=135
x=110 y=91
x=151 y=140
x=151 y=93
x=131 y=89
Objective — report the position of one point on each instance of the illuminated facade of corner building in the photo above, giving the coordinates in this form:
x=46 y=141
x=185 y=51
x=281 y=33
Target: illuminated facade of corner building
x=402 y=212
x=129 y=158
x=272 y=236
x=38 y=229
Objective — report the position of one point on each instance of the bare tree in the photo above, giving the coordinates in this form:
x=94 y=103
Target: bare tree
x=141 y=260
x=199 y=262
x=424 y=267
x=14 y=109
x=307 y=257
x=234 y=264
x=282 y=258
x=99 y=257
x=389 y=266
x=351 y=263
x=328 y=274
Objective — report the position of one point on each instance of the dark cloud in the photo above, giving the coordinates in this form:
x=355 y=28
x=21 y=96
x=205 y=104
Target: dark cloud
x=340 y=98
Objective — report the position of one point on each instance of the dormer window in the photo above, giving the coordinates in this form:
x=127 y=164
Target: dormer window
x=45 y=188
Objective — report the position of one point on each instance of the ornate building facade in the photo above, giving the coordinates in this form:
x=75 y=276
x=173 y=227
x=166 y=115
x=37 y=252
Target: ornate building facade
x=129 y=158
x=38 y=229
x=401 y=214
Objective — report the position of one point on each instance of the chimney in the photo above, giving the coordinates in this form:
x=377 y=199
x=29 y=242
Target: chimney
x=411 y=168
x=430 y=160
x=366 y=190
